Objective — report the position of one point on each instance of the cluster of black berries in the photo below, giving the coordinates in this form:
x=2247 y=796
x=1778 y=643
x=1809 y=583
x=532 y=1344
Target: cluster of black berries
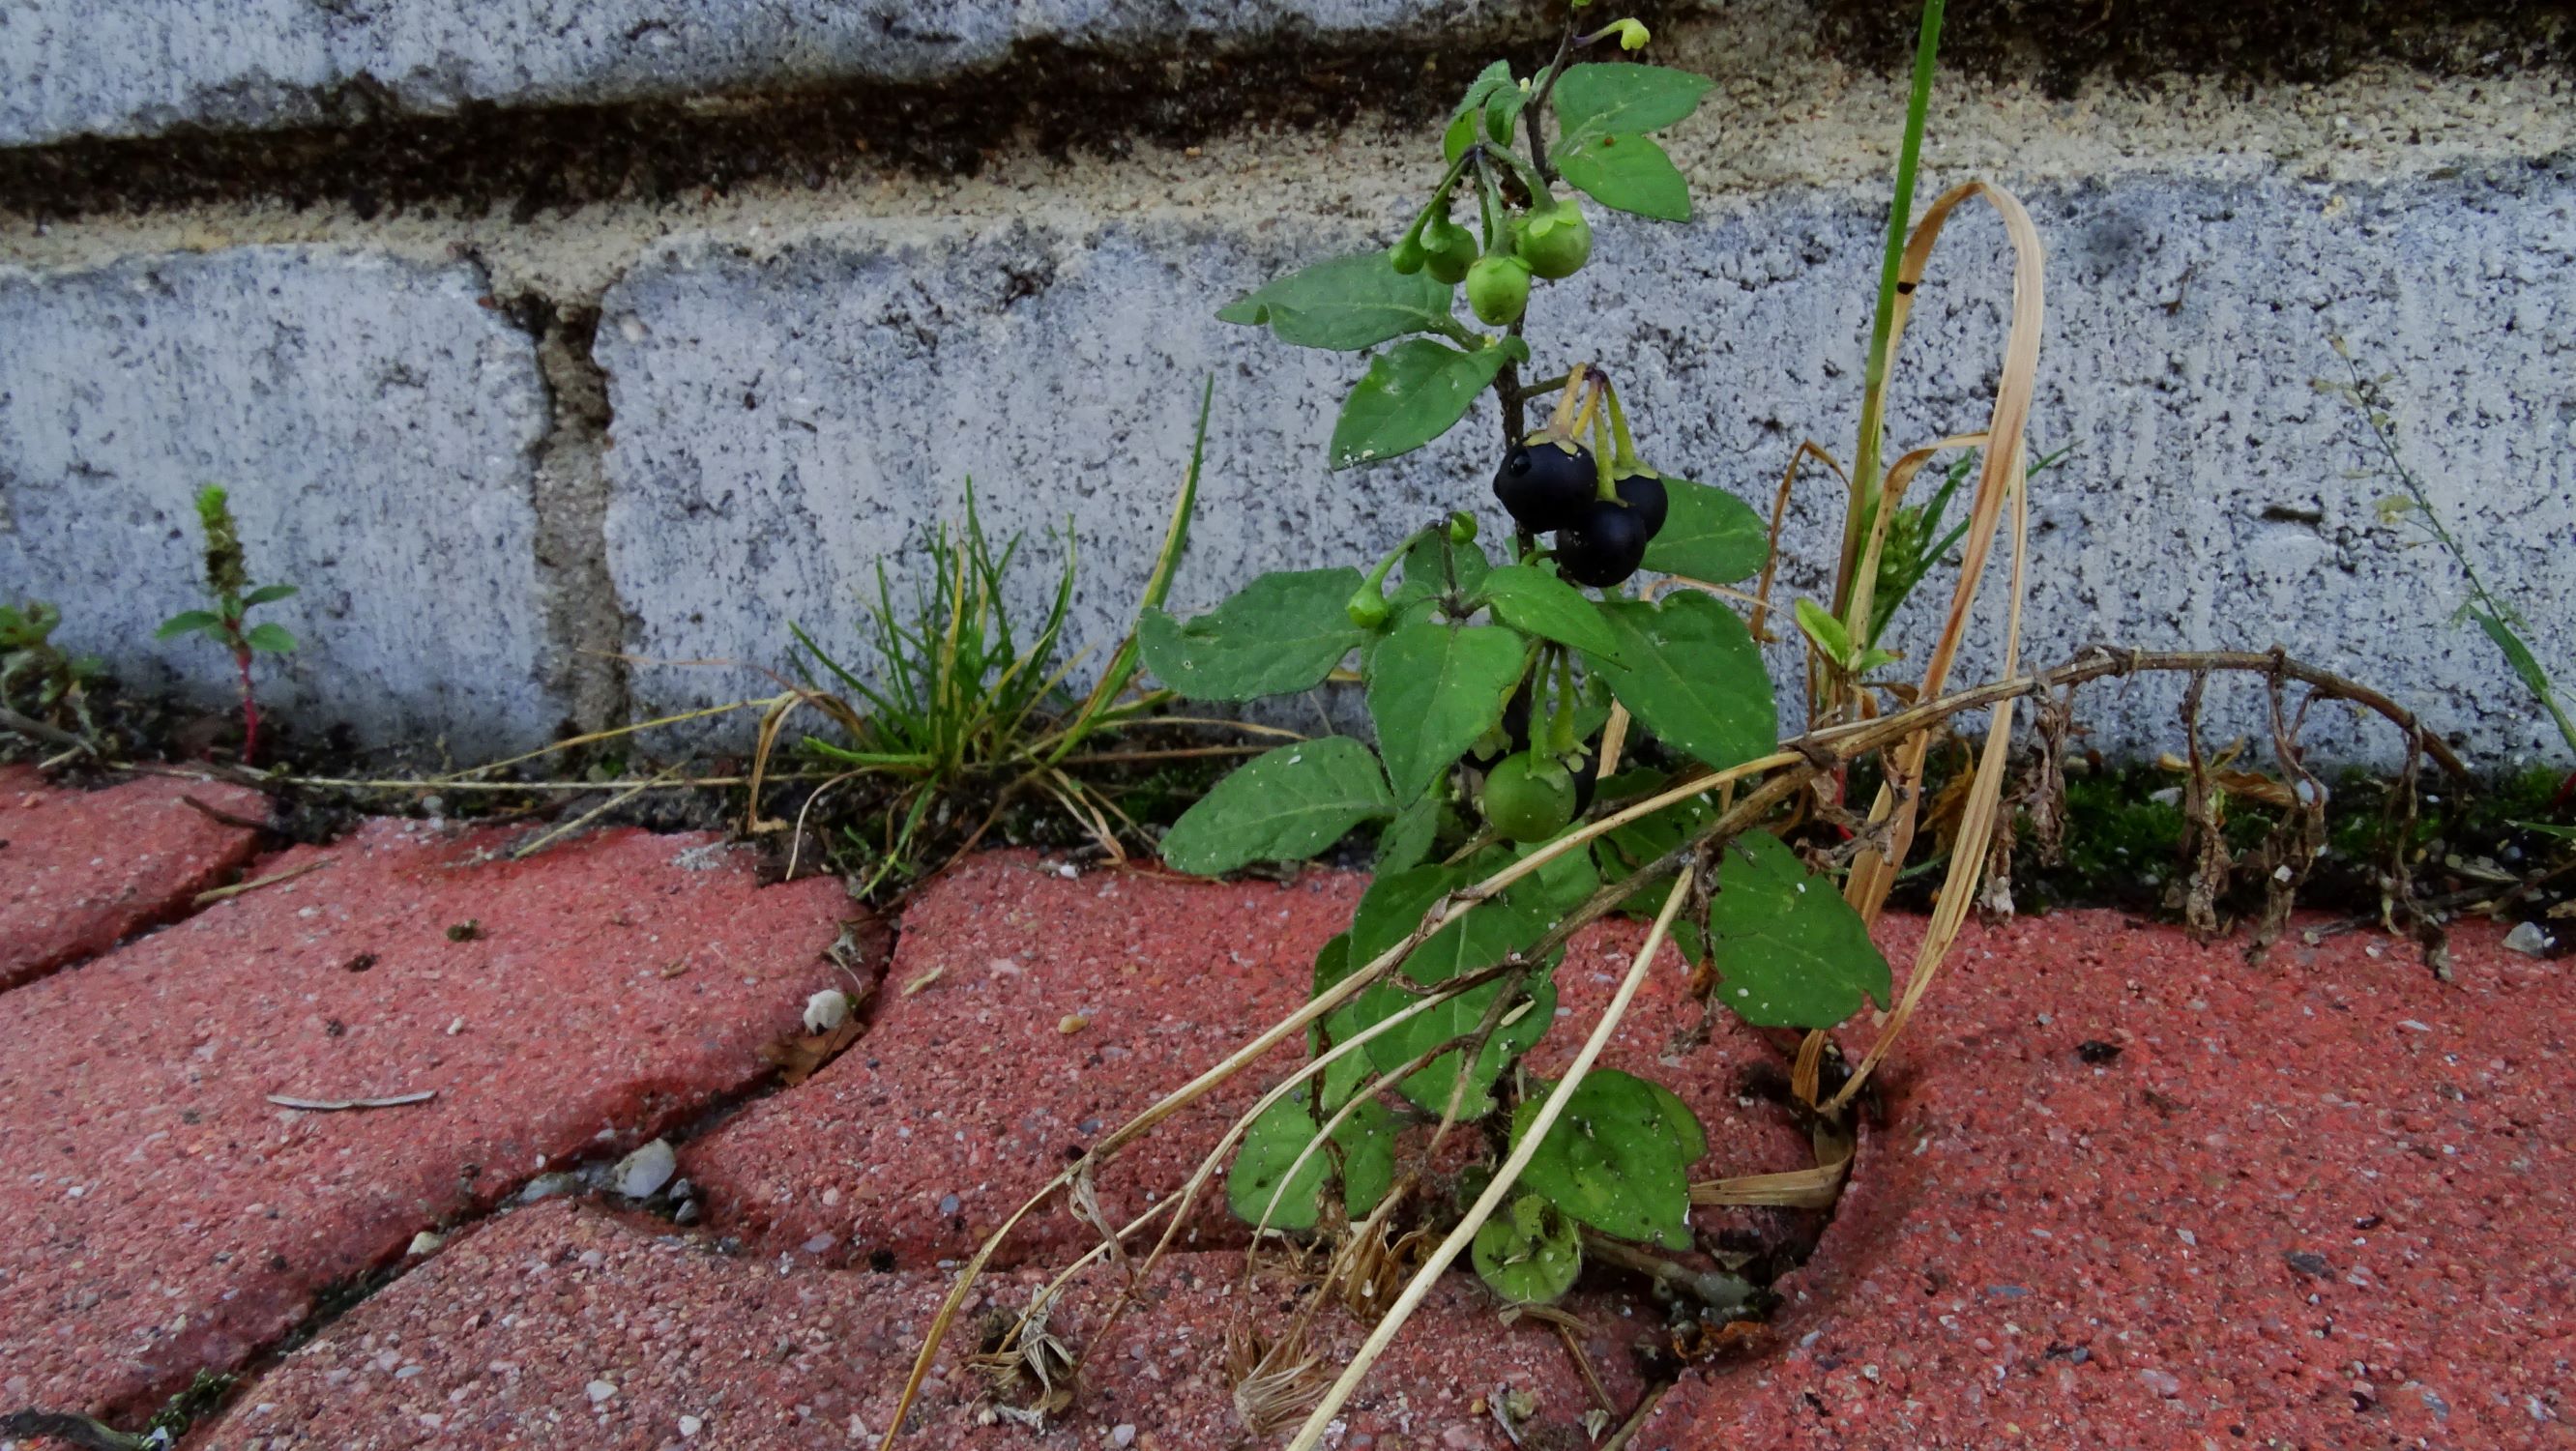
x=1552 y=485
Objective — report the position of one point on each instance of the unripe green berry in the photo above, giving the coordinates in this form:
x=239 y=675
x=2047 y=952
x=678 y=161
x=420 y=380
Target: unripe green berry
x=1368 y=608
x=1407 y=255
x=1528 y=797
x=1462 y=527
x=1555 y=243
x=1448 y=250
x=1498 y=289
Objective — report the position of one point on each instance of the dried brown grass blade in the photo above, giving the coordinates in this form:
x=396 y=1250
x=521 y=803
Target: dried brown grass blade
x=2000 y=479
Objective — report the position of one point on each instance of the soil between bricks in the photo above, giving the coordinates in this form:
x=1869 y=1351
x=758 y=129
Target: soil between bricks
x=968 y=1095
x=80 y=871
x=562 y=1325
x=158 y=1215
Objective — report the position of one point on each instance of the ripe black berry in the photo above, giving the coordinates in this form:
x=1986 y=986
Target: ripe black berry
x=1602 y=550
x=1546 y=484
x=1646 y=494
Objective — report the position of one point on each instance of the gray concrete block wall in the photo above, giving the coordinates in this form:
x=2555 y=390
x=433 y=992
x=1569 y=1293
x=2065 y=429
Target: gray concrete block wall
x=689 y=420
x=787 y=421
x=375 y=420
x=71 y=68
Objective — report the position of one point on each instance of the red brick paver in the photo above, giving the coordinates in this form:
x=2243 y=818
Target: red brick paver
x=562 y=1325
x=2320 y=1202
x=969 y=1094
x=159 y=1215
x=82 y=870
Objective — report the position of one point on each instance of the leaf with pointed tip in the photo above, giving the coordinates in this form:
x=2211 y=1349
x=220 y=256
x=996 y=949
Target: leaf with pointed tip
x=1791 y=953
x=1283 y=632
x=1618 y=1158
x=1413 y=393
x=1689 y=672
x=1536 y=602
x=1433 y=689
x=1283 y=805
x=1708 y=535
x=1345 y=304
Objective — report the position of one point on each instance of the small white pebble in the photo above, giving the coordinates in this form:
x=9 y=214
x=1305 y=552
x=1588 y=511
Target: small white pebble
x=600 y=1391
x=691 y=1425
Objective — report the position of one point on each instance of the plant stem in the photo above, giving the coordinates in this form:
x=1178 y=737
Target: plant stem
x=2384 y=438
x=1900 y=213
x=250 y=707
x=1536 y=111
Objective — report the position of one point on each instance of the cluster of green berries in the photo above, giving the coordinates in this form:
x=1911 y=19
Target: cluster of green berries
x=1551 y=239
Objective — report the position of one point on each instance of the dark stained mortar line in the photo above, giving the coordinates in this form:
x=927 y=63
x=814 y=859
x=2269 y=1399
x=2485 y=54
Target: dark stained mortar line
x=585 y=621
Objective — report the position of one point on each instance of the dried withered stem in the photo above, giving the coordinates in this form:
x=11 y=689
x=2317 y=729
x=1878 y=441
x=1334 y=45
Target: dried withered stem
x=2043 y=794
x=2289 y=851
x=2202 y=880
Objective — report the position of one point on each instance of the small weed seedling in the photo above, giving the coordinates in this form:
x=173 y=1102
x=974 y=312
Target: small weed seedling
x=229 y=584
x=2412 y=509
x=39 y=681
x=967 y=707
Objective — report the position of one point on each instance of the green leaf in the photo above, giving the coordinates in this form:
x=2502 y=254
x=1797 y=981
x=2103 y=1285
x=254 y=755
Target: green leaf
x=1792 y=953
x=1388 y=913
x=2516 y=653
x=1530 y=1253
x=1599 y=100
x=1344 y=1077
x=1629 y=173
x=1710 y=535
x=1827 y=632
x=1366 y=1140
x=1502 y=109
x=269 y=594
x=1621 y=851
x=1283 y=632
x=1429 y=564
x=271 y=639
x=1346 y=304
x=1408 y=838
x=1463 y=121
x=1433 y=689
x=1618 y=1158
x=1534 y=601
x=1283 y=805
x=187 y=622
x=1413 y=393
x=1692 y=676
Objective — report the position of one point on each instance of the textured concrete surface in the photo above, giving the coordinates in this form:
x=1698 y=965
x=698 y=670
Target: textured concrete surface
x=564 y=1321
x=789 y=416
x=82 y=870
x=162 y=1215
x=2318 y=1202
x=375 y=420
x=74 y=68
